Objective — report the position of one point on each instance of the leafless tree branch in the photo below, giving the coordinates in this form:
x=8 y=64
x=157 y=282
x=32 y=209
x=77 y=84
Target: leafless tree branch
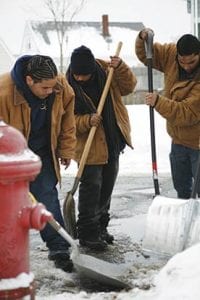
x=63 y=11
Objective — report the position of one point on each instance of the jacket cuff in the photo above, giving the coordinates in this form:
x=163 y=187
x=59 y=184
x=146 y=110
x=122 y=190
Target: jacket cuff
x=157 y=98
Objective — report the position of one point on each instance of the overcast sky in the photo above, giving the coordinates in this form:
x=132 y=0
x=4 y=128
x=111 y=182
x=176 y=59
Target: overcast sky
x=169 y=19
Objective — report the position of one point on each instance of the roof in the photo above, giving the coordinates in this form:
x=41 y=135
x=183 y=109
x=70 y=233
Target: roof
x=41 y=37
x=44 y=27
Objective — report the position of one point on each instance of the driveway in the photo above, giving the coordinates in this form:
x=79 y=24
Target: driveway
x=130 y=202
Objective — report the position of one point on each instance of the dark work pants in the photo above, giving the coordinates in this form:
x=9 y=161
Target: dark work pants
x=183 y=167
x=45 y=191
x=95 y=190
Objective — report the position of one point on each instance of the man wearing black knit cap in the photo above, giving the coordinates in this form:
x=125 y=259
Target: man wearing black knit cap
x=82 y=61
x=180 y=104
x=40 y=103
x=87 y=76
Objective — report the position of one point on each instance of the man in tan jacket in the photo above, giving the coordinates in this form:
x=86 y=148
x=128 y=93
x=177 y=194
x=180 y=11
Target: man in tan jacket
x=87 y=76
x=40 y=103
x=180 y=104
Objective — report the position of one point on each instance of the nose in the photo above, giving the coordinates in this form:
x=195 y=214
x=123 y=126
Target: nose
x=79 y=78
x=49 y=91
x=187 y=69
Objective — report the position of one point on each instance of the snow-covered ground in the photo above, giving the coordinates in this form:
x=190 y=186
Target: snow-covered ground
x=176 y=278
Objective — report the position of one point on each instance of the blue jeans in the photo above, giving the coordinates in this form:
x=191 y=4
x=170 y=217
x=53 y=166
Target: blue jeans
x=45 y=191
x=183 y=168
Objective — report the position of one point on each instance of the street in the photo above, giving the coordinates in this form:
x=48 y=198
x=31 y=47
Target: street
x=130 y=202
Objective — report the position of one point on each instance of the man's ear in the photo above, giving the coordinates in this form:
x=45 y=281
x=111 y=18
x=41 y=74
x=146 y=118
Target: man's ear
x=29 y=80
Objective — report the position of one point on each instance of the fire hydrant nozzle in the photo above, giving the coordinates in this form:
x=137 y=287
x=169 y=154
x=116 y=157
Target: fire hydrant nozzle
x=34 y=217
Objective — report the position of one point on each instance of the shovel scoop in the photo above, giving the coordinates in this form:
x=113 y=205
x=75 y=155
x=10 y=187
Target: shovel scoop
x=91 y=267
x=96 y=269
x=173 y=225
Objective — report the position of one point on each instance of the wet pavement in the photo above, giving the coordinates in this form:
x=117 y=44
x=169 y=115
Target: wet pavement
x=131 y=199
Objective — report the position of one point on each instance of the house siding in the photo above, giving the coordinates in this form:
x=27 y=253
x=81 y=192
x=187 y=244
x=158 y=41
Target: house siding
x=7 y=60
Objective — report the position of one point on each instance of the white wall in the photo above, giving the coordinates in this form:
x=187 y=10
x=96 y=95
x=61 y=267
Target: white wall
x=6 y=59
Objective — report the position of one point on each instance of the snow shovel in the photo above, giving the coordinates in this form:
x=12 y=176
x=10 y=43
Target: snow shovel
x=89 y=266
x=69 y=203
x=149 y=54
x=92 y=267
x=172 y=225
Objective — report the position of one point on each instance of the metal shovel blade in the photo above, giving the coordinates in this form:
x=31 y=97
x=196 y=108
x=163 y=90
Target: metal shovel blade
x=166 y=225
x=91 y=267
x=69 y=212
x=104 y=272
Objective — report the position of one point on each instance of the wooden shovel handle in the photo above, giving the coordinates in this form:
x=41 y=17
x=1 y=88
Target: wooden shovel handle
x=99 y=111
x=108 y=82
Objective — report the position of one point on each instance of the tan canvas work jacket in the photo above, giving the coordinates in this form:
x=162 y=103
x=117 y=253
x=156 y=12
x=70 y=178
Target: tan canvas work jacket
x=183 y=113
x=123 y=83
x=14 y=110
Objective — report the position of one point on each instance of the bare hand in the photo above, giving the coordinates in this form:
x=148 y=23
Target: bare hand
x=144 y=33
x=95 y=120
x=151 y=99
x=115 y=61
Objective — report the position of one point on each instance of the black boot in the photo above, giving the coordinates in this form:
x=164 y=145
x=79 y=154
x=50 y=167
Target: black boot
x=106 y=236
x=94 y=243
x=61 y=259
x=89 y=236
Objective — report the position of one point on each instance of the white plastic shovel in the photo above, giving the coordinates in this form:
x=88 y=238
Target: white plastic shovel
x=173 y=225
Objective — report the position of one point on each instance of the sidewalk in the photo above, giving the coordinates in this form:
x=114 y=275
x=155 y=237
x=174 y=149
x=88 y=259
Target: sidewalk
x=131 y=198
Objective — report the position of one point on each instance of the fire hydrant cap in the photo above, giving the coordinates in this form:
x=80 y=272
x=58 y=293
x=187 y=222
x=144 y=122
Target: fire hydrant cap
x=11 y=140
x=16 y=159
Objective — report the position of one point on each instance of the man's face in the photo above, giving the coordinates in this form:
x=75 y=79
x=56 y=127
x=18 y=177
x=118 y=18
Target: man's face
x=188 y=62
x=82 y=78
x=41 y=89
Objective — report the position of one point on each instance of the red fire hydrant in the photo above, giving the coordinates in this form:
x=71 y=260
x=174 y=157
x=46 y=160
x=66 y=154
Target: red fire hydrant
x=18 y=166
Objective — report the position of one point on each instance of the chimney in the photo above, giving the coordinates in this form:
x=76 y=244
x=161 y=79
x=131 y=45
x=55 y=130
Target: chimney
x=105 y=26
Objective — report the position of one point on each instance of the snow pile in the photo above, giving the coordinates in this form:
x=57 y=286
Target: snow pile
x=23 y=280
x=180 y=278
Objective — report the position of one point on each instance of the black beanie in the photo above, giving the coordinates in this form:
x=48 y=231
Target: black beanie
x=188 y=44
x=82 y=61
